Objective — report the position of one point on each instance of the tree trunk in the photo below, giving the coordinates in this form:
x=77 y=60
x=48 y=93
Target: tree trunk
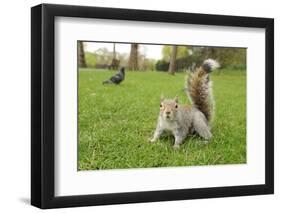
x=81 y=55
x=172 y=66
x=114 y=52
x=133 y=60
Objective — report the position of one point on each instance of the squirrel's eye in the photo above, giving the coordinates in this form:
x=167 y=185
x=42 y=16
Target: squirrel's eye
x=176 y=106
x=160 y=105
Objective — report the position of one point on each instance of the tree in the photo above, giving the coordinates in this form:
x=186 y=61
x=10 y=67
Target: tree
x=133 y=59
x=166 y=53
x=114 y=51
x=172 y=66
x=224 y=55
x=81 y=55
x=115 y=62
x=91 y=59
x=103 y=56
x=182 y=52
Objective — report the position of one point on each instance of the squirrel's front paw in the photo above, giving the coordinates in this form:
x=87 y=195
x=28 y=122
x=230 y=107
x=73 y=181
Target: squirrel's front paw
x=152 y=140
x=206 y=141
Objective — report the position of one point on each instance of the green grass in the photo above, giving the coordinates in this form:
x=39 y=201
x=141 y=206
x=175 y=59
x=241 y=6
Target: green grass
x=115 y=122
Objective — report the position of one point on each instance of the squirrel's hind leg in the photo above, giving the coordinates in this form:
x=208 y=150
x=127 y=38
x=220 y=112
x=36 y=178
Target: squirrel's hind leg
x=201 y=127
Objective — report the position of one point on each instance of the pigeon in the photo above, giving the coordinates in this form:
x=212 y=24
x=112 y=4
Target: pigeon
x=116 y=79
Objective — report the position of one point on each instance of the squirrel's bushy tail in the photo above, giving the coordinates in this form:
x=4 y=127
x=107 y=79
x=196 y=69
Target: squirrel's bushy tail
x=200 y=88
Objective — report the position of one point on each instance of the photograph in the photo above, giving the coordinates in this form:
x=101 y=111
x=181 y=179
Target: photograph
x=143 y=105
x=138 y=105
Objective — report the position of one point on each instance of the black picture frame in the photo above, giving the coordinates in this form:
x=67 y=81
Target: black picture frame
x=43 y=105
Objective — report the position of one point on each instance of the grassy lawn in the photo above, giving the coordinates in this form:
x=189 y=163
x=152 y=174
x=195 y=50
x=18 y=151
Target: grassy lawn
x=115 y=122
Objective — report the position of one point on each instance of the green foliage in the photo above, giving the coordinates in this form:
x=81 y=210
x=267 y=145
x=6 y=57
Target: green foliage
x=149 y=64
x=225 y=56
x=186 y=57
x=162 y=65
x=91 y=59
x=182 y=51
x=166 y=53
x=104 y=56
x=230 y=56
x=115 y=122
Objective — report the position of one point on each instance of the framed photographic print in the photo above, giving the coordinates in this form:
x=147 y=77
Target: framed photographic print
x=139 y=106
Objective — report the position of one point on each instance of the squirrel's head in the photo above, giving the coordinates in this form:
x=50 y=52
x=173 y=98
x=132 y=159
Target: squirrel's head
x=169 y=108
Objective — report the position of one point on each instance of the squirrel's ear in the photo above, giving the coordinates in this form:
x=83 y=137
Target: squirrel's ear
x=162 y=98
x=176 y=99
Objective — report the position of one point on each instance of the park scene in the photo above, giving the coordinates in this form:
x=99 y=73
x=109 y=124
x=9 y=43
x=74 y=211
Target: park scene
x=119 y=90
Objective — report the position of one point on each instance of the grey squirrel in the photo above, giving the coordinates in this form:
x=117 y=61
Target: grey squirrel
x=182 y=120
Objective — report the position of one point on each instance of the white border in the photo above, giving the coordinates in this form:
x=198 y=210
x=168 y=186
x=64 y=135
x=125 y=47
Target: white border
x=70 y=182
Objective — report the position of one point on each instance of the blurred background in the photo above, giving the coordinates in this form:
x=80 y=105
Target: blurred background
x=154 y=57
x=115 y=122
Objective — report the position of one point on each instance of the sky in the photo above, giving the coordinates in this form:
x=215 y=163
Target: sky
x=151 y=51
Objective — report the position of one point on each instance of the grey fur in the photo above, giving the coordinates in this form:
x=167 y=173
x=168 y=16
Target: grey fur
x=184 y=120
x=181 y=124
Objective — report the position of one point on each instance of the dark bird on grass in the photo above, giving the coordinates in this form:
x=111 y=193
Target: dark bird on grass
x=116 y=79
